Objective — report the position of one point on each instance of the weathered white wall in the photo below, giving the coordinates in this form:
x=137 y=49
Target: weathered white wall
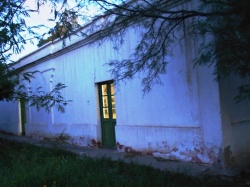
x=80 y=70
x=179 y=120
x=235 y=122
x=9 y=117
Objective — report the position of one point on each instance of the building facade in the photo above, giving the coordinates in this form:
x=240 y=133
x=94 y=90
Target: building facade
x=190 y=117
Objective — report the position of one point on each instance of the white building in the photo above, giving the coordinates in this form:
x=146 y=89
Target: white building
x=190 y=117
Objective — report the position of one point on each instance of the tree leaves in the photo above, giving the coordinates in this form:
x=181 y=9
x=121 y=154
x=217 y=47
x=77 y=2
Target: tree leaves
x=12 y=89
x=161 y=26
x=48 y=100
x=13 y=85
x=224 y=22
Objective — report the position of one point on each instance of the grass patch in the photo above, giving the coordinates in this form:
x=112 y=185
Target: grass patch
x=27 y=165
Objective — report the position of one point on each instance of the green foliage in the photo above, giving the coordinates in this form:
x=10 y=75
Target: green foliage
x=222 y=27
x=12 y=90
x=26 y=165
x=13 y=29
x=229 y=49
x=244 y=93
x=45 y=100
x=68 y=23
x=7 y=85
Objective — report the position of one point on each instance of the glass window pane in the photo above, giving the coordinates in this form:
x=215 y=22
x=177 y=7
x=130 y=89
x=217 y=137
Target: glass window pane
x=105 y=101
x=113 y=101
x=114 y=113
x=112 y=89
x=105 y=112
x=104 y=89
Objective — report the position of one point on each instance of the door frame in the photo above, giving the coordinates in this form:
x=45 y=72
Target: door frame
x=22 y=116
x=110 y=120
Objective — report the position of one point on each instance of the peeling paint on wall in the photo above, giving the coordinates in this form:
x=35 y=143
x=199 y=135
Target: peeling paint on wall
x=66 y=138
x=95 y=143
x=198 y=152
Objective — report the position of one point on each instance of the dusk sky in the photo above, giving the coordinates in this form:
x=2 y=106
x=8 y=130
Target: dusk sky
x=42 y=17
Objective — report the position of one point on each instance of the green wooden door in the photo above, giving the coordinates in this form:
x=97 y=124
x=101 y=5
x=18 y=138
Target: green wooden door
x=23 y=116
x=108 y=113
